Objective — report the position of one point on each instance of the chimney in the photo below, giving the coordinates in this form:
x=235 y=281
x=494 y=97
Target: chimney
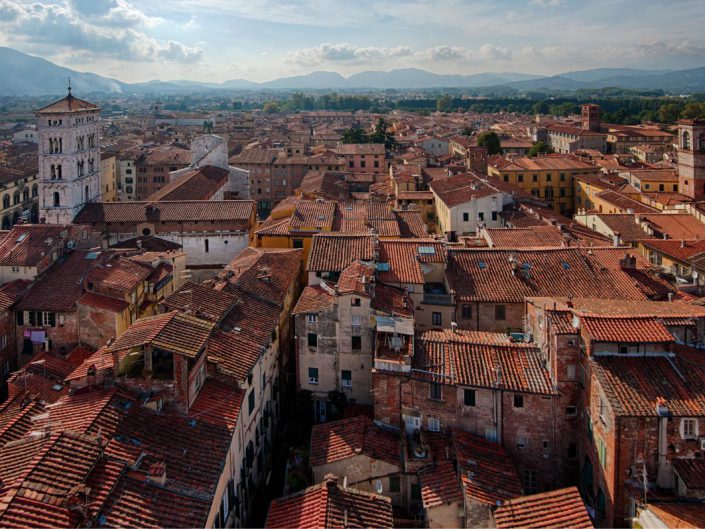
x=331 y=481
x=157 y=473
x=615 y=238
x=454 y=327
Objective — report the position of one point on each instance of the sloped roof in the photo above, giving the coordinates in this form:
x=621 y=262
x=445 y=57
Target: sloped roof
x=67 y=104
x=559 y=509
x=333 y=252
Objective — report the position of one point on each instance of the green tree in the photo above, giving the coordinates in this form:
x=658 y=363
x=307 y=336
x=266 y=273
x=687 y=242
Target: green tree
x=467 y=131
x=355 y=136
x=693 y=110
x=382 y=134
x=271 y=107
x=490 y=140
x=539 y=147
x=669 y=113
x=444 y=103
x=540 y=107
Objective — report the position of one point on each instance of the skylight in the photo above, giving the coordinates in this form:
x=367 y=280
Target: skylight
x=427 y=250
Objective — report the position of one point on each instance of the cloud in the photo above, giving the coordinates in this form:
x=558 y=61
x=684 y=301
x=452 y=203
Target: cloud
x=485 y=53
x=546 y=3
x=57 y=27
x=344 y=53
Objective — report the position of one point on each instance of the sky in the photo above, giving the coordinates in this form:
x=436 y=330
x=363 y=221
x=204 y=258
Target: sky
x=260 y=40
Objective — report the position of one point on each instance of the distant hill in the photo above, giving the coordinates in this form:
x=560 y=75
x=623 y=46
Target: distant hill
x=33 y=76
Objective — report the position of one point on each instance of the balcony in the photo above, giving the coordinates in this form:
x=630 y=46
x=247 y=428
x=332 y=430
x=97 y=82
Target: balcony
x=436 y=294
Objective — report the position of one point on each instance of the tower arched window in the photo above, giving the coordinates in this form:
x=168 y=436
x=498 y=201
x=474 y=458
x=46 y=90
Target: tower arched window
x=85 y=197
x=6 y=225
x=58 y=172
x=61 y=145
x=57 y=199
x=15 y=198
x=52 y=172
x=35 y=191
x=685 y=140
x=25 y=194
x=5 y=201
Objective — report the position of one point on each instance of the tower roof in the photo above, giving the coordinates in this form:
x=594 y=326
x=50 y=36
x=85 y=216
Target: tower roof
x=67 y=104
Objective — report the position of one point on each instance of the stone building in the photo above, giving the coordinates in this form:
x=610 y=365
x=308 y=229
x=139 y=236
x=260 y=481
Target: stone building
x=69 y=158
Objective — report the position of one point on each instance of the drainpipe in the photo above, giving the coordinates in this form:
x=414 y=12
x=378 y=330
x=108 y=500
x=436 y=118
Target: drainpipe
x=663 y=478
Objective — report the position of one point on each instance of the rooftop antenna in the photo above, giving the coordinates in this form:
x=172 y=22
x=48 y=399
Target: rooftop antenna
x=69 y=86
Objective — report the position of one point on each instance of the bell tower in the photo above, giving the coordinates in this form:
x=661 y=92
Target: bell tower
x=69 y=158
x=691 y=158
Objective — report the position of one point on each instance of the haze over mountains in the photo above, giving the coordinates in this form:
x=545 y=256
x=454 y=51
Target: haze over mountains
x=29 y=75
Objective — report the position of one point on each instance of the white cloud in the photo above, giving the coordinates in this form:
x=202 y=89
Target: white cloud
x=485 y=53
x=344 y=53
x=57 y=27
x=546 y=3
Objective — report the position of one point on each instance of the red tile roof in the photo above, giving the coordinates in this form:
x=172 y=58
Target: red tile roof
x=562 y=508
x=311 y=215
x=632 y=385
x=314 y=299
x=202 y=301
x=404 y=259
x=487 y=473
x=532 y=237
x=67 y=104
x=333 y=252
x=235 y=211
x=680 y=515
x=625 y=329
x=327 y=506
x=338 y=440
x=487 y=274
x=198 y=184
x=691 y=471
x=440 y=485
x=28 y=244
x=462 y=188
x=103 y=302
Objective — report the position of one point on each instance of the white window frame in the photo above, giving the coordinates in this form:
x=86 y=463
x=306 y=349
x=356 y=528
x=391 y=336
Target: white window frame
x=312 y=380
x=311 y=318
x=434 y=424
x=685 y=427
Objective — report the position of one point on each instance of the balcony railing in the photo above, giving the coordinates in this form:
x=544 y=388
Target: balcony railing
x=437 y=299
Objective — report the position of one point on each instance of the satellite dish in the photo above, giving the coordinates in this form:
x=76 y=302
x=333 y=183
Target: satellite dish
x=345 y=482
x=378 y=486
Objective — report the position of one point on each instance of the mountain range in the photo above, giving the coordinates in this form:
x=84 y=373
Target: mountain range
x=27 y=75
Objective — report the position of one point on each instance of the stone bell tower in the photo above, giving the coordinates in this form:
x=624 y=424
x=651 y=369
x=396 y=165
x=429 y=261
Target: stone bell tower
x=69 y=158
x=691 y=158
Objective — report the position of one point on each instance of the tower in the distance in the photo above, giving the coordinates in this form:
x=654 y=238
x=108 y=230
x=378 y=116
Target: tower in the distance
x=591 y=117
x=691 y=158
x=69 y=158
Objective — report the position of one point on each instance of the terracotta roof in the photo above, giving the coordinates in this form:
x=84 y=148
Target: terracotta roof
x=314 y=299
x=486 y=274
x=327 y=506
x=679 y=250
x=11 y=293
x=625 y=329
x=201 y=300
x=338 y=440
x=625 y=224
x=173 y=331
x=487 y=473
x=562 y=508
x=101 y=360
x=357 y=278
x=632 y=385
x=440 y=485
x=27 y=244
x=691 y=471
x=310 y=215
x=333 y=252
x=404 y=257
x=218 y=404
x=235 y=211
x=392 y=300
x=551 y=162
x=98 y=301
x=533 y=237
x=411 y=225
x=119 y=274
x=675 y=226
x=198 y=184
x=67 y=104
x=475 y=359
x=679 y=515
x=623 y=202
x=462 y=188
x=361 y=148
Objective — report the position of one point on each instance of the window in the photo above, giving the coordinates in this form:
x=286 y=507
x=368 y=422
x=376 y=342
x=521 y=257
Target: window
x=491 y=434
x=521 y=442
x=356 y=342
x=571 y=411
x=518 y=401
x=312 y=339
x=57 y=199
x=520 y=178
x=469 y=397
x=205 y=245
x=437 y=318
x=251 y=401
x=298 y=243
x=394 y=484
x=311 y=318
x=48 y=319
x=434 y=391
x=531 y=481
x=434 y=424
x=572 y=451
x=534 y=178
x=689 y=428
x=362 y=164
x=500 y=312
x=376 y=164
x=562 y=177
x=416 y=492
x=602 y=452
x=346 y=377
x=466 y=312
x=570 y=369
x=466 y=217
x=494 y=215
x=481 y=216
x=548 y=178
x=313 y=375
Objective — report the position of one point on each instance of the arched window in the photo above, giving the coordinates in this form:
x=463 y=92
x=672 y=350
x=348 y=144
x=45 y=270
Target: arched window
x=25 y=194
x=16 y=198
x=58 y=172
x=61 y=145
x=15 y=217
x=52 y=172
x=5 y=201
x=57 y=199
x=6 y=224
x=685 y=140
x=701 y=142
x=35 y=191
x=85 y=197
